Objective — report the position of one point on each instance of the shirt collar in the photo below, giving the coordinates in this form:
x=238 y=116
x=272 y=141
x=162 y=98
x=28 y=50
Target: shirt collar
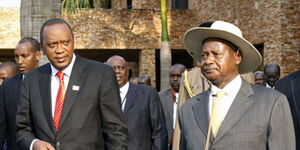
x=67 y=71
x=124 y=88
x=231 y=89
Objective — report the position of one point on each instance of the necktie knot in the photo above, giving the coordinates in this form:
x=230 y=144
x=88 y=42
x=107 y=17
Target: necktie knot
x=60 y=75
x=220 y=94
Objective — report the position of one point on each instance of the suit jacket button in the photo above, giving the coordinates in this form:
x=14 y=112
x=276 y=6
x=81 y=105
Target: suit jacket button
x=57 y=145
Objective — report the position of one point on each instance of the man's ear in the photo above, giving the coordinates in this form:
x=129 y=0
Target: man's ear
x=38 y=55
x=238 y=56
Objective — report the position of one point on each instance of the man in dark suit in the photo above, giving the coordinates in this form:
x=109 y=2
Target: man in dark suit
x=7 y=69
x=27 y=56
x=271 y=74
x=70 y=103
x=142 y=109
x=169 y=100
x=290 y=87
x=233 y=114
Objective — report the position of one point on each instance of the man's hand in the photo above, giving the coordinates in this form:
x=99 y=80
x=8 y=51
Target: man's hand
x=42 y=145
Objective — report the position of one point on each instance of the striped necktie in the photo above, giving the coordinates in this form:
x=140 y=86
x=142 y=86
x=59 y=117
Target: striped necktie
x=217 y=109
x=59 y=100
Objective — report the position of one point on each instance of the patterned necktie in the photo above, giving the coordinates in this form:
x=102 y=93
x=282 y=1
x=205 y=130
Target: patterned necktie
x=59 y=100
x=216 y=115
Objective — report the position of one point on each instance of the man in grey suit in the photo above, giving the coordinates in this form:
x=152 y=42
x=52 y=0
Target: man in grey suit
x=142 y=110
x=232 y=114
x=169 y=100
x=71 y=103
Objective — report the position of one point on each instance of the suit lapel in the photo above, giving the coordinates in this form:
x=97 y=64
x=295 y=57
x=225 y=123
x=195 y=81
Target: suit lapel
x=295 y=82
x=16 y=92
x=45 y=83
x=201 y=111
x=240 y=105
x=169 y=106
x=18 y=83
x=131 y=97
x=76 y=79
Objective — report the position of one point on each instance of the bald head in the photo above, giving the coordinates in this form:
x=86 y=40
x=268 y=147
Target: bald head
x=7 y=70
x=175 y=76
x=259 y=77
x=119 y=65
x=271 y=73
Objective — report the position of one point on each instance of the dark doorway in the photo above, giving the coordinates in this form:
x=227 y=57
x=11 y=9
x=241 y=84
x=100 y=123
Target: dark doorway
x=178 y=56
x=131 y=56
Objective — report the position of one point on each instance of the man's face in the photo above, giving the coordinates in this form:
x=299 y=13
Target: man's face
x=6 y=72
x=219 y=63
x=259 y=78
x=120 y=68
x=26 y=57
x=271 y=77
x=58 y=45
x=175 y=78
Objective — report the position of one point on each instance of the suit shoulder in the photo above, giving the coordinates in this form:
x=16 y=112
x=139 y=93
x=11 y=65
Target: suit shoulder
x=93 y=63
x=12 y=79
x=144 y=87
x=165 y=92
x=190 y=102
x=263 y=89
x=267 y=94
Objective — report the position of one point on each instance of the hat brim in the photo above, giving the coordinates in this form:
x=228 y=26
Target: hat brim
x=193 y=40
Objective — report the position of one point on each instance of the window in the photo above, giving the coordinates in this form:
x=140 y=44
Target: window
x=180 y=4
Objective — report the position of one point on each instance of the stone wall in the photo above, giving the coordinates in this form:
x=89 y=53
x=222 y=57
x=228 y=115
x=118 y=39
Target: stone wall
x=126 y=29
x=274 y=23
x=129 y=29
x=9 y=27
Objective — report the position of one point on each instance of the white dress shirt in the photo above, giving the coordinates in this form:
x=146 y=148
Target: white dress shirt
x=175 y=110
x=123 y=93
x=231 y=90
x=55 y=81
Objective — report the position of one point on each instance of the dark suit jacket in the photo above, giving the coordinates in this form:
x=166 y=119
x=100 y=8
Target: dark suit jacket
x=290 y=87
x=3 y=125
x=10 y=93
x=145 y=119
x=258 y=119
x=91 y=117
x=167 y=102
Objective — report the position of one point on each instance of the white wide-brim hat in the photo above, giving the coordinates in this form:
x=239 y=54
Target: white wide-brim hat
x=193 y=42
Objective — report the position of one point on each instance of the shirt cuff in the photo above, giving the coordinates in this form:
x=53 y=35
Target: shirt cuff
x=31 y=145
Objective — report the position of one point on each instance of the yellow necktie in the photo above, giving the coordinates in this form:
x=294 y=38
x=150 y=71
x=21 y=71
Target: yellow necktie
x=217 y=109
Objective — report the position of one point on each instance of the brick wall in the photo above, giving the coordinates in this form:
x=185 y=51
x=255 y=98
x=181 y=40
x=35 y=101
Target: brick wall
x=275 y=23
x=9 y=27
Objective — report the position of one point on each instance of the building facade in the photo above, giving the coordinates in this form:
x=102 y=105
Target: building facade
x=132 y=29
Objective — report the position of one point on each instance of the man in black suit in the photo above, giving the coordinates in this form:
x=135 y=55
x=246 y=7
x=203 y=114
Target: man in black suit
x=271 y=74
x=7 y=69
x=27 y=56
x=289 y=86
x=169 y=100
x=142 y=109
x=71 y=103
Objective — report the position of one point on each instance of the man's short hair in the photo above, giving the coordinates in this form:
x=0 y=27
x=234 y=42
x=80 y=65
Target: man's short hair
x=54 y=21
x=34 y=43
x=11 y=64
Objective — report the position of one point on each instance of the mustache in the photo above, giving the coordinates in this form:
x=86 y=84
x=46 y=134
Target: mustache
x=206 y=68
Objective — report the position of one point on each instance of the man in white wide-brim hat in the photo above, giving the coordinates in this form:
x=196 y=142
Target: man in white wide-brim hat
x=233 y=114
